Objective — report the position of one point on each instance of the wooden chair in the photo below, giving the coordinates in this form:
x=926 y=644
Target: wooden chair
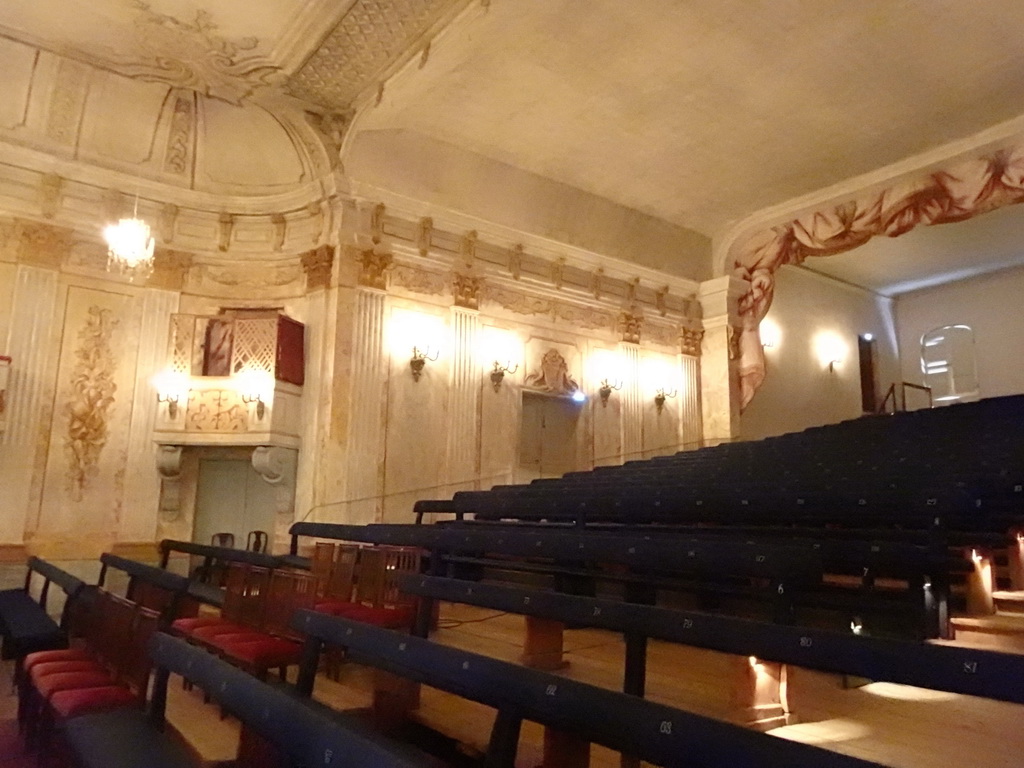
x=257 y=541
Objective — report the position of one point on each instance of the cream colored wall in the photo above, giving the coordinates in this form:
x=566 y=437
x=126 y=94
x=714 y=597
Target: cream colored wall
x=991 y=305
x=799 y=391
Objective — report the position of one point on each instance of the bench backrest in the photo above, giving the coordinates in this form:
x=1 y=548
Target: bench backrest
x=659 y=734
x=310 y=735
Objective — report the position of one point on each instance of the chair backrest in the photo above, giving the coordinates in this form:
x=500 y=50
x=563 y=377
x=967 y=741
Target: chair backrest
x=257 y=541
x=223 y=539
x=134 y=668
x=398 y=560
x=321 y=564
x=343 y=574
x=113 y=628
x=288 y=592
x=370 y=577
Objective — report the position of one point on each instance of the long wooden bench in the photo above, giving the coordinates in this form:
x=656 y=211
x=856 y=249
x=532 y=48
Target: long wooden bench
x=167 y=593
x=659 y=734
x=25 y=623
x=205 y=578
x=776 y=575
x=927 y=665
x=303 y=732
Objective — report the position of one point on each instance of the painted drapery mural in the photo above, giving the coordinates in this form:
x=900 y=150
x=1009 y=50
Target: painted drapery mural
x=956 y=193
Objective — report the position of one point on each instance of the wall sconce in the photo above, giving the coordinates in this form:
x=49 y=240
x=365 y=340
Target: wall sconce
x=255 y=386
x=419 y=359
x=605 y=390
x=660 y=396
x=171 y=387
x=832 y=364
x=770 y=333
x=498 y=374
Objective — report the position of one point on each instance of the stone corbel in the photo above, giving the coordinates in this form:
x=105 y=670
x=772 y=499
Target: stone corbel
x=423 y=235
x=276 y=466
x=225 y=226
x=168 y=465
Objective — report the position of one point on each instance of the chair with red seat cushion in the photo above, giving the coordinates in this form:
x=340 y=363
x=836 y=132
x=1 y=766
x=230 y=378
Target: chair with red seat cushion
x=279 y=646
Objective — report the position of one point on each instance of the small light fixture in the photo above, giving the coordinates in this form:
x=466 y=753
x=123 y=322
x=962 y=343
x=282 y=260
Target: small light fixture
x=498 y=374
x=605 y=390
x=419 y=359
x=255 y=386
x=769 y=332
x=868 y=336
x=660 y=396
x=857 y=626
x=832 y=365
x=130 y=247
x=579 y=396
x=171 y=387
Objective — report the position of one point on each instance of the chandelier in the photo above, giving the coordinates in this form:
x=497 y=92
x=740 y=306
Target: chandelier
x=130 y=247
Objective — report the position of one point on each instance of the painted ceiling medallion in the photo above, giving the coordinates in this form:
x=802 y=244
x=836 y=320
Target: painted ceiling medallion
x=192 y=55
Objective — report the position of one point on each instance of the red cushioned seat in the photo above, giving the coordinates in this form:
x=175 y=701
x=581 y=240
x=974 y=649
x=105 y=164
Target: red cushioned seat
x=226 y=628
x=41 y=671
x=389 y=618
x=272 y=652
x=222 y=641
x=66 y=681
x=336 y=607
x=82 y=701
x=62 y=654
x=192 y=623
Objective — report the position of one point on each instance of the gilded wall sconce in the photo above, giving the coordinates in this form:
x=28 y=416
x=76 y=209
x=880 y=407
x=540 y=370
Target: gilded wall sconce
x=499 y=371
x=419 y=359
x=660 y=396
x=605 y=390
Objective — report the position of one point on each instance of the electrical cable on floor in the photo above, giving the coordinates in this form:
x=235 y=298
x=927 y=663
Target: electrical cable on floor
x=453 y=623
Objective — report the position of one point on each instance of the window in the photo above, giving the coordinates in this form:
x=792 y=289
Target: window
x=948 y=364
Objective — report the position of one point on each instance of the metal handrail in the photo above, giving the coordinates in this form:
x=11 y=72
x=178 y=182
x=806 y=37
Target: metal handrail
x=891 y=392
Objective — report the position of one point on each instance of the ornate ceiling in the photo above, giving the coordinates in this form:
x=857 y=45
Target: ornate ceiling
x=680 y=118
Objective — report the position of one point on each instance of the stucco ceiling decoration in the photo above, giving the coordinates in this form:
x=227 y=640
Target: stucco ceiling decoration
x=369 y=42
x=194 y=55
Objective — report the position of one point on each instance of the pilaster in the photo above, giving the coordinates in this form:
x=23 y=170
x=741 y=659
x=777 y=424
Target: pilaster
x=719 y=362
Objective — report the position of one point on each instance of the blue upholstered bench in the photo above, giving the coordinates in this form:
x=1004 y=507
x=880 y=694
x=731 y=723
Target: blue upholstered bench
x=303 y=732
x=25 y=624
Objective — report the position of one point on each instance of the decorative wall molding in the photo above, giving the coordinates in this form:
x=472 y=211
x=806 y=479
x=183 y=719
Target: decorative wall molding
x=215 y=410
x=466 y=291
x=666 y=335
x=631 y=325
x=690 y=340
x=318 y=265
x=374 y=265
x=179 y=138
x=91 y=397
x=419 y=280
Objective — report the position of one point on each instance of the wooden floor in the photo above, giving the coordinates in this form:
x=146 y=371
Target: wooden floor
x=894 y=725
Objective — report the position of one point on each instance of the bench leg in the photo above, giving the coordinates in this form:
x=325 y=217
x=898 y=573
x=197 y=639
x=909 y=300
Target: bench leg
x=979 y=586
x=563 y=750
x=759 y=693
x=542 y=648
x=394 y=698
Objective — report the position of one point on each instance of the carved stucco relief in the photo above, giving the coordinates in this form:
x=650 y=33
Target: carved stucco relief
x=215 y=410
x=690 y=340
x=367 y=40
x=419 y=280
x=194 y=55
x=180 y=137
x=552 y=375
x=91 y=397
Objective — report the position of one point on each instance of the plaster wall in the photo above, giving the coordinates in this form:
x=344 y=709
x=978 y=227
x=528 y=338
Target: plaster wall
x=991 y=305
x=818 y=317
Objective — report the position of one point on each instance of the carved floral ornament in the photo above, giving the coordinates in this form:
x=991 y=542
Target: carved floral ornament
x=91 y=397
x=959 y=192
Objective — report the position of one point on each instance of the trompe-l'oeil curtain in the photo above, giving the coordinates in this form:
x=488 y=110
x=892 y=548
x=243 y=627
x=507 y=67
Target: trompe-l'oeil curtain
x=960 y=192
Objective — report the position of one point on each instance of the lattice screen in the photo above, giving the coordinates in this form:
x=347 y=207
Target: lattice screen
x=255 y=344
x=181 y=343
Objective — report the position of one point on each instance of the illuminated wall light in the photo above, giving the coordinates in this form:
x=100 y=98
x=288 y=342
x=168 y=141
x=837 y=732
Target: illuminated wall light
x=419 y=360
x=830 y=349
x=497 y=374
x=606 y=389
x=255 y=385
x=770 y=333
x=171 y=387
x=579 y=396
x=857 y=626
